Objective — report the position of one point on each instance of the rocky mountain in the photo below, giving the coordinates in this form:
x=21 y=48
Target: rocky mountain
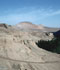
x=19 y=51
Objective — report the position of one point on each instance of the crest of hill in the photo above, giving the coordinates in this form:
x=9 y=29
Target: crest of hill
x=29 y=25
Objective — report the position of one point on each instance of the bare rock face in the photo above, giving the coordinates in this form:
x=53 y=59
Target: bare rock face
x=50 y=35
x=18 y=51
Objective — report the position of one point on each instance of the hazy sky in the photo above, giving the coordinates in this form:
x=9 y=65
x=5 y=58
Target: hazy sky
x=46 y=12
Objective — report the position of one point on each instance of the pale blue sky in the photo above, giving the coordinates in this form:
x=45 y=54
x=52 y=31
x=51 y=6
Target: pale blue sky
x=46 y=12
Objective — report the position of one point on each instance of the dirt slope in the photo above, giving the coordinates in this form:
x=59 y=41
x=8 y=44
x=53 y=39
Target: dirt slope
x=18 y=51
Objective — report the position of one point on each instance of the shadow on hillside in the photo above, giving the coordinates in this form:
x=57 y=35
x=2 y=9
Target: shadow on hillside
x=57 y=34
x=52 y=46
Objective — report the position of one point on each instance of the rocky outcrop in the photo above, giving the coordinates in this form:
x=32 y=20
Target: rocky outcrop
x=3 y=25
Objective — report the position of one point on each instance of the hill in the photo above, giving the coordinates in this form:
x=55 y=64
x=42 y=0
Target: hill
x=19 y=51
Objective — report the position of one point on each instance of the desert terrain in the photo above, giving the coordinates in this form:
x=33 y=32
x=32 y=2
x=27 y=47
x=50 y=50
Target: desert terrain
x=19 y=51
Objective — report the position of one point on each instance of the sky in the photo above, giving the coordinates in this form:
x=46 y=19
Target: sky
x=45 y=12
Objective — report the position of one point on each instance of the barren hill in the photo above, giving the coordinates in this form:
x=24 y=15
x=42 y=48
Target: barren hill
x=18 y=50
x=30 y=26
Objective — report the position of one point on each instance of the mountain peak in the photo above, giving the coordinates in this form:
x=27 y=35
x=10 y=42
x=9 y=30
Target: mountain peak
x=41 y=25
x=27 y=25
x=25 y=22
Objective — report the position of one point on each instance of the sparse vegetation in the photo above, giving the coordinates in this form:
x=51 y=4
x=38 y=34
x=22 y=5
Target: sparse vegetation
x=53 y=45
